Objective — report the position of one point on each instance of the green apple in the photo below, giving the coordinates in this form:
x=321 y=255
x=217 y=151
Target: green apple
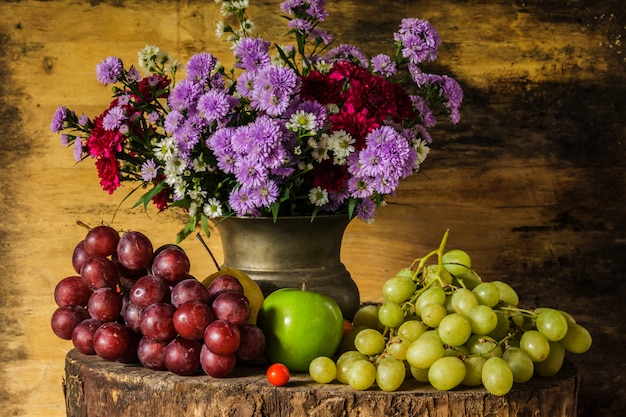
x=300 y=326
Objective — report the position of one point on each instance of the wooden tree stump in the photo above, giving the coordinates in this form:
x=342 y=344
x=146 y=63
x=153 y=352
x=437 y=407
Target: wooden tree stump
x=98 y=388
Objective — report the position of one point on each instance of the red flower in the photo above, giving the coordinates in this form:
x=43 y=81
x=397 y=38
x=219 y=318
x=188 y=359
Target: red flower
x=330 y=177
x=152 y=87
x=374 y=94
x=108 y=172
x=356 y=123
x=160 y=200
x=320 y=87
x=103 y=142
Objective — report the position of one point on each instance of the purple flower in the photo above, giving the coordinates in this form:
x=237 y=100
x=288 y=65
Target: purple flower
x=243 y=202
x=426 y=113
x=418 y=39
x=365 y=210
x=133 y=74
x=184 y=95
x=322 y=35
x=83 y=120
x=454 y=95
x=349 y=53
x=200 y=66
x=57 y=120
x=266 y=193
x=148 y=170
x=173 y=120
x=78 y=149
x=110 y=70
x=305 y=8
x=250 y=172
x=383 y=64
x=251 y=54
x=274 y=89
x=213 y=105
x=300 y=25
x=245 y=84
x=113 y=118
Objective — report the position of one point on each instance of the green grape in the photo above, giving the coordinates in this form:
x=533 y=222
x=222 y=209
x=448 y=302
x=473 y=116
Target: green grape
x=568 y=317
x=367 y=316
x=361 y=374
x=398 y=289
x=487 y=293
x=411 y=329
x=397 y=347
x=323 y=370
x=454 y=329
x=553 y=363
x=502 y=327
x=423 y=352
x=344 y=361
x=369 y=342
x=463 y=300
x=458 y=351
x=433 y=295
x=520 y=363
x=535 y=344
x=497 y=376
x=390 y=314
x=347 y=343
x=448 y=304
x=432 y=314
x=469 y=280
x=474 y=371
x=431 y=277
x=457 y=262
x=390 y=374
x=552 y=324
x=482 y=319
x=577 y=339
x=405 y=272
x=419 y=374
x=507 y=293
x=483 y=345
x=434 y=333
x=446 y=373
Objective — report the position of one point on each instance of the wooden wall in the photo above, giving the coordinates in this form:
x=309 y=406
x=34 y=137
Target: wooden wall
x=530 y=183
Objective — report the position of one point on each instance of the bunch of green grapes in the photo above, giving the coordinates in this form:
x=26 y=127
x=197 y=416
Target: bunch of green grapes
x=440 y=323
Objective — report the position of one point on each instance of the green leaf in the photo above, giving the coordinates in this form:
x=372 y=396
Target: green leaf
x=204 y=221
x=147 y=197
x=189 y=228
x=351 y=207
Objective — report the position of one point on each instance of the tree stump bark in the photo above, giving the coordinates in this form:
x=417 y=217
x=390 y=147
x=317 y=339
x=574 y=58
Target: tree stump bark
x=98 y=388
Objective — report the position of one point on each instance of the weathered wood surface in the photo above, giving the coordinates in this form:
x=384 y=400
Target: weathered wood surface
x=133 y=391
x=531 y=182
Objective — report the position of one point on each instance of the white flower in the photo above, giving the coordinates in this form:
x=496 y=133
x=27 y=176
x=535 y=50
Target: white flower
x=422 y=150
x=342 y=145
x=193 y=207
x=148 y=57
x=199 y=165
x=212 y=208
x=165 y=149
x=318 y=196
x=319 y=148
x=301 y=120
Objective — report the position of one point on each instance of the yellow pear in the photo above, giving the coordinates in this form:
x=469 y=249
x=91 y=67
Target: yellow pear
x=250 y=289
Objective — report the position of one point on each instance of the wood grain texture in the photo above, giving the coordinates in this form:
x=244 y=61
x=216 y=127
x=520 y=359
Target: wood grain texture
x=133 y=391
x=530 y=183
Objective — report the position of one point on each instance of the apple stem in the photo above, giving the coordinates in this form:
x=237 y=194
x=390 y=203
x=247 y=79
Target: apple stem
x=217 y=265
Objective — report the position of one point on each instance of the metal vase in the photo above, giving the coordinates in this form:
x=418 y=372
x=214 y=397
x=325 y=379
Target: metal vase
x=291 y=251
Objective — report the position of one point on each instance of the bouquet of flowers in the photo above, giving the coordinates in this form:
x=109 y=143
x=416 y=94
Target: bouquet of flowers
x=304 y=129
